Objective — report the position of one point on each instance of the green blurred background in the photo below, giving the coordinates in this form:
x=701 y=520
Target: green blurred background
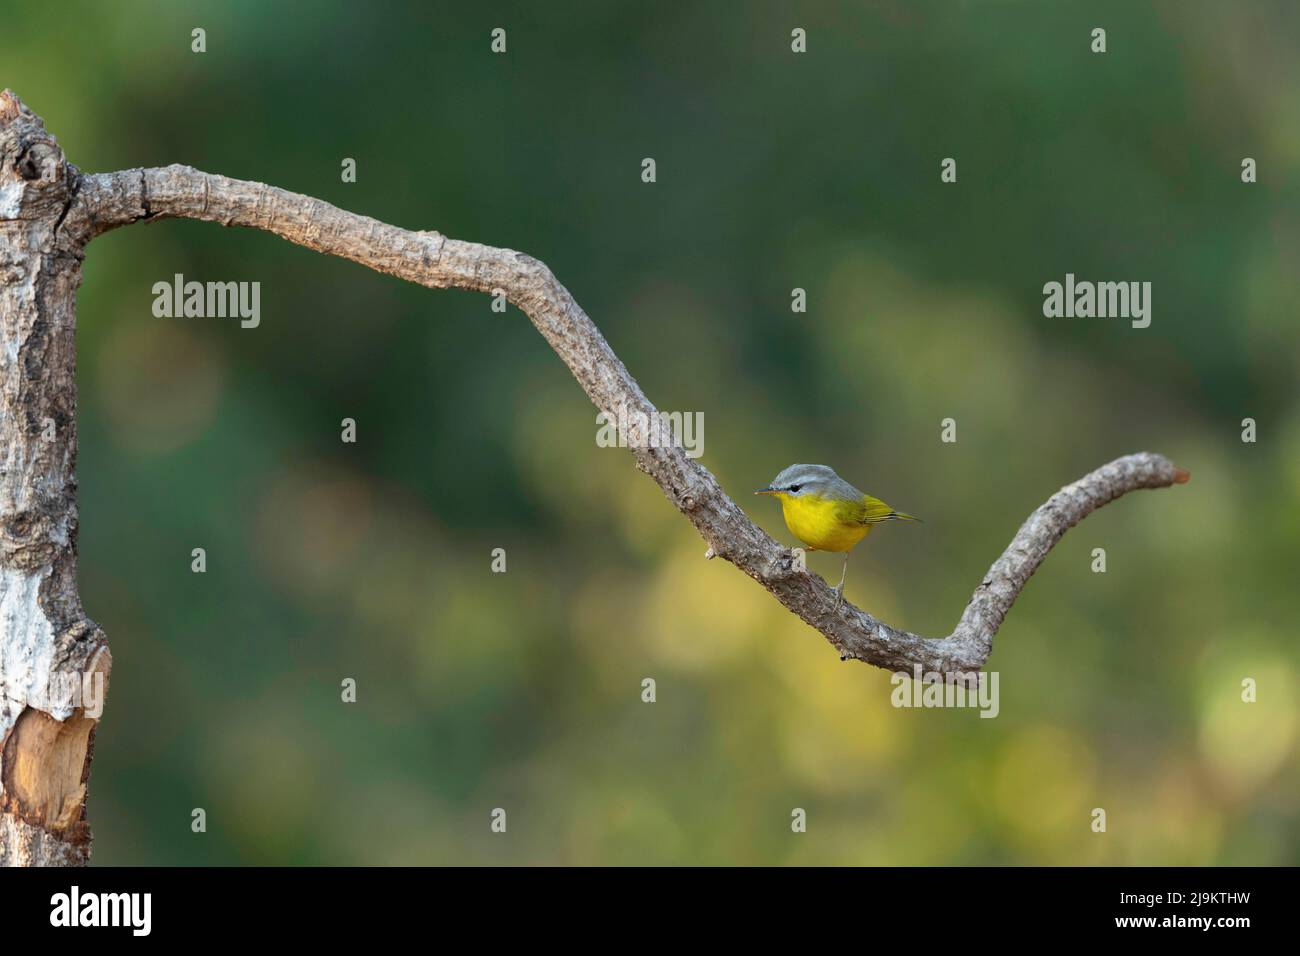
x=522 y=690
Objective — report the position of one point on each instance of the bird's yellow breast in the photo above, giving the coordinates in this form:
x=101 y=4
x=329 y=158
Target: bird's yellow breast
x=824 y=524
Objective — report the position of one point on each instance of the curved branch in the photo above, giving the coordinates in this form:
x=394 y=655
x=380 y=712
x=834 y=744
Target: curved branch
x=109 y=200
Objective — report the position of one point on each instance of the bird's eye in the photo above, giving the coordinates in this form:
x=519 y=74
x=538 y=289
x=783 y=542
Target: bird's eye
x=795 y=487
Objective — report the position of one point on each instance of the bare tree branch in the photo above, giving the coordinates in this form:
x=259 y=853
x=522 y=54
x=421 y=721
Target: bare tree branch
x=431 y=259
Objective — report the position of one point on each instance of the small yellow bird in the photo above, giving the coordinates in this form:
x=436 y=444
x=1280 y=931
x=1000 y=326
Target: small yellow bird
x=827 y=513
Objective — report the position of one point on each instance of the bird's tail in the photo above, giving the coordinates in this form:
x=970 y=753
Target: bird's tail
x=874 y=511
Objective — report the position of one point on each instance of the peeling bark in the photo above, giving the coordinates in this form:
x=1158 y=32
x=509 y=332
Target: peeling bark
x=49 y=212
x=48 y=646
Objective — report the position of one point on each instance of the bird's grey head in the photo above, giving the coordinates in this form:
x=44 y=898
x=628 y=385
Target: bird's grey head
x=804 y=480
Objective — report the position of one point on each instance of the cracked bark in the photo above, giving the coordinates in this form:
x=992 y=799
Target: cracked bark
x=49 y=212
x=49 y=649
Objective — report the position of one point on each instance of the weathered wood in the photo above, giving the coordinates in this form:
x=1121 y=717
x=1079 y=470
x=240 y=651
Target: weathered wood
x=47 y=644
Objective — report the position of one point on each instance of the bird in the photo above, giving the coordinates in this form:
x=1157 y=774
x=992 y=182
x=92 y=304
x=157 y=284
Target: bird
x=827 y=513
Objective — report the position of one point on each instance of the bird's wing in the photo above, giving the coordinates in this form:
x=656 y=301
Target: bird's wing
x=873 y=511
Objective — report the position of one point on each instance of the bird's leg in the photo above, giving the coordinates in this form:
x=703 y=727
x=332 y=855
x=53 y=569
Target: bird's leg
x=839 y=588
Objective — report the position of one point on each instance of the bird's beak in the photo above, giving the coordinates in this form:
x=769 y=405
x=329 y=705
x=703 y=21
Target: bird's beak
x=765 y=491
